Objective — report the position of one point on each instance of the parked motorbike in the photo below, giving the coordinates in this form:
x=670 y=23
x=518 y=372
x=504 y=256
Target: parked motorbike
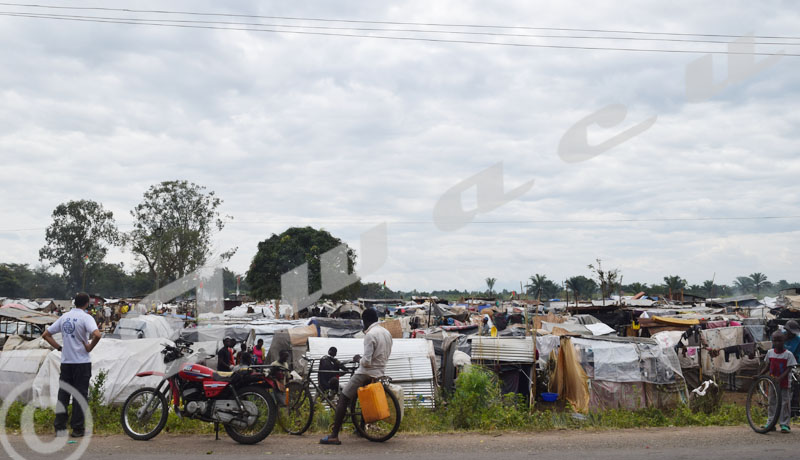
x=238 y=400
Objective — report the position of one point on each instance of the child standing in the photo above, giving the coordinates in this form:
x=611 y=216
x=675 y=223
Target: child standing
x=779 y=361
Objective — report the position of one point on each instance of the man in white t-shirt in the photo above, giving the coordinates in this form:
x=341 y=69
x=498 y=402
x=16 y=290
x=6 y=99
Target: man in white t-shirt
x=77 y=328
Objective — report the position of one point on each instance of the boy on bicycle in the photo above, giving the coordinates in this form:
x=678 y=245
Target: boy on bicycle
x=779 y=362
x=377 y=348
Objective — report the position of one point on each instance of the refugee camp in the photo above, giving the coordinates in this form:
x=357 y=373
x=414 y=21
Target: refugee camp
x=391 y=230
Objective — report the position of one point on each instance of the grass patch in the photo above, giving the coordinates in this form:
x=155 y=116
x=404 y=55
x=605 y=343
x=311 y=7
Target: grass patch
x=475 y=405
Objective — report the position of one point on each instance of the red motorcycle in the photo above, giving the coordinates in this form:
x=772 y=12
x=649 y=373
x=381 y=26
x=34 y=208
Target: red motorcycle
x=239 y=400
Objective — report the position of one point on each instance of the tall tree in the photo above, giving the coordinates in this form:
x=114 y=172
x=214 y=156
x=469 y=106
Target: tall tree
x=542 y=287
x=759 y=281
x=490 y=284
x=608 y=278
x=744 y=284
x=581 y=286
x=172 y=229
x=78 y=239
x=709 y=288
x=282 y=253
x=674 y=284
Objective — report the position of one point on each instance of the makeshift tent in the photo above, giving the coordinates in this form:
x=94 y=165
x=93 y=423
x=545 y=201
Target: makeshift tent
x=19 y=367
x=144 y=327
x=120 y=359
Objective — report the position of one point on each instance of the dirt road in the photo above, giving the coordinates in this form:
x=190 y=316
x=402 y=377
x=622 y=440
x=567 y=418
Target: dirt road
x=658 y=443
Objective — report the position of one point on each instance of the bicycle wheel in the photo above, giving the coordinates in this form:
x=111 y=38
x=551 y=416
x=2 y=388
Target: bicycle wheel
x=295 y=408
x=144 y=414
x=261 y=420
x=381 y=430
x=763 y=391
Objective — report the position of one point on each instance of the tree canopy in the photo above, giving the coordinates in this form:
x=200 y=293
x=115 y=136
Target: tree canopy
x=78 y=239
x=172 y=229
x=282 y=253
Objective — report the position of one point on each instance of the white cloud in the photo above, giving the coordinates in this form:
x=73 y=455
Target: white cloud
x=344 y=133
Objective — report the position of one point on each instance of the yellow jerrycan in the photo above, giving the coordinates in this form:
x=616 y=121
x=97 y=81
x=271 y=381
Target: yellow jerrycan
x=373 y=402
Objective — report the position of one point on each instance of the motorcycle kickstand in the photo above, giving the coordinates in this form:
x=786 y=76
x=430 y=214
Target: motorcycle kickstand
x=216 y=431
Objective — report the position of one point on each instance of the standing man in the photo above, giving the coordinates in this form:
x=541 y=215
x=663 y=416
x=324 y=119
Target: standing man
x=377 y=348
x=225 y=357
x=106 y=315
x=76 y=328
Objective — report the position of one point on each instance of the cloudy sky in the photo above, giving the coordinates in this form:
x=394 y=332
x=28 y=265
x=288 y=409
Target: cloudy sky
x=345 y=133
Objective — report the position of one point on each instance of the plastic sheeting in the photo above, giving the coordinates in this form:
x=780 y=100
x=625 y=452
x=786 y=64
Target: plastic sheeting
x=18 y=367
x=636 y=361
x=121 y=359
x=144 y=326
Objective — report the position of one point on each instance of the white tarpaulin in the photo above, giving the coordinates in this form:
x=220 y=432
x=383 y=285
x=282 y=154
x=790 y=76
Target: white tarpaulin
x=18 y=367
x=121 y=359
x=145 y=326
x=618 y=361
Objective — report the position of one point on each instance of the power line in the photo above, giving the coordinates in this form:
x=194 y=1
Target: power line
x=384 y=37
x=300 y=221
x=356 y=21
x=378 y=29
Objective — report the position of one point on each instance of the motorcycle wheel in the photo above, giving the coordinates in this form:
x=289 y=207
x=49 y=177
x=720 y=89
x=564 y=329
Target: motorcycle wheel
x=295 y=415
x=265 y=421
x=144 y=414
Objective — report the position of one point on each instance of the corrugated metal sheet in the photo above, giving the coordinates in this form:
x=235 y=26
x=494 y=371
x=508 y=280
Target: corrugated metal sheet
x=409 y=364
x=505 y=349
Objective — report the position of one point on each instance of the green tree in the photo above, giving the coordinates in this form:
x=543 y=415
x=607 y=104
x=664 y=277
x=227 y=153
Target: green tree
x=490 y=284
x=635 y=288
x=674 y=284
x=541 y=287
x=709 y=288
x=744 y=284
x=172 y=229
x=581 y=286
x=9 y=284
x=78 y=239
x=109 y=280
x=608 y=278
x=759 y=281
x=379 y=291
x=282 y=253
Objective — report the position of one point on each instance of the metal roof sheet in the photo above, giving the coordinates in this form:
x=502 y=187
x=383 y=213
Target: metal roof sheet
x=409 y=365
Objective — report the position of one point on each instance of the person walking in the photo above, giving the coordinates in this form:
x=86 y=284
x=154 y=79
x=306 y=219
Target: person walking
x=377 y=348
x=80 y=335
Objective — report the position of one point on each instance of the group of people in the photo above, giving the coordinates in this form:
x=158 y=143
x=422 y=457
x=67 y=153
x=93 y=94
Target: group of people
x=80 y=335
x=228 y=358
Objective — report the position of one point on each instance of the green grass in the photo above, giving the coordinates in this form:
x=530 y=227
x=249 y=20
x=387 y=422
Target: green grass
x=475 y=405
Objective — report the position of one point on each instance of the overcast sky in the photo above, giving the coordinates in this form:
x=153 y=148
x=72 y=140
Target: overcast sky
x=345 y=133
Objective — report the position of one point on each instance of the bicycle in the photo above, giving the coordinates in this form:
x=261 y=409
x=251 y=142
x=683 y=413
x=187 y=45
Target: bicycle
x=297 y=412
x=761 y=391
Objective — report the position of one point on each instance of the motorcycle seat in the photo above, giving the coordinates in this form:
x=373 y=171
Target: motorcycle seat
x=222 y=376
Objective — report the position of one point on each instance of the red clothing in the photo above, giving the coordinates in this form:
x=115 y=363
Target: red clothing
x=778 y=362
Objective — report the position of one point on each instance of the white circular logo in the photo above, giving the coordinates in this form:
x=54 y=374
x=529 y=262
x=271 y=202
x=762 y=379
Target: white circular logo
x=28 y=430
